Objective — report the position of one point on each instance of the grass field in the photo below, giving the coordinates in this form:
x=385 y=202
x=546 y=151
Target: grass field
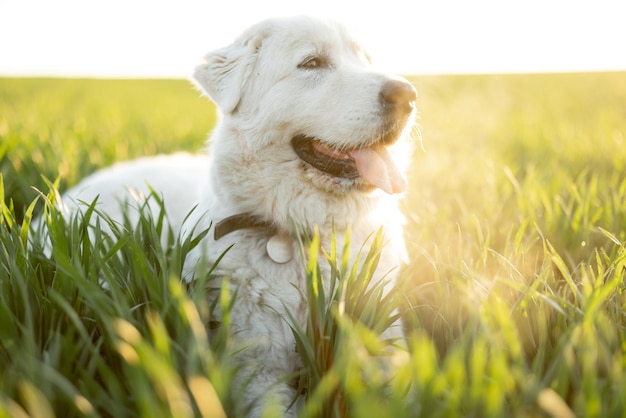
x=515 y=294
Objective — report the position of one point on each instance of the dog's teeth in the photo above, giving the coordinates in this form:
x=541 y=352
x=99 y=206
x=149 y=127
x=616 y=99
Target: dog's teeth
x=333 y=153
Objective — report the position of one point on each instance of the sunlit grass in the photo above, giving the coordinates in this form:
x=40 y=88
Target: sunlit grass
x=513 y=298
x=68 y=128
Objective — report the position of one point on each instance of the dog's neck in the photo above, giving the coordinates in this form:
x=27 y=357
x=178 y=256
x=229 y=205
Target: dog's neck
x=240 y=221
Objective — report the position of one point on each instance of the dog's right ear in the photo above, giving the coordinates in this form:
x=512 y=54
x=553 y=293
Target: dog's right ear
x=223 y=73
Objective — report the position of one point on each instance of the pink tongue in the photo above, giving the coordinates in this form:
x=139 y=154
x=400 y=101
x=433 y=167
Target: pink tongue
x=376 y=167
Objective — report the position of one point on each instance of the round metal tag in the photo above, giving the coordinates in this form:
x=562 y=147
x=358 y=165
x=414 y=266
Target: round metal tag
x=280 y=248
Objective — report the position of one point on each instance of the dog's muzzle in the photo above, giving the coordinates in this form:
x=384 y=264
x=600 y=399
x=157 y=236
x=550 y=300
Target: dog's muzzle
x=370 y=166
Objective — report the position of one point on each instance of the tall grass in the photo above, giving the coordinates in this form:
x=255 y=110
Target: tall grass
x=513 y=300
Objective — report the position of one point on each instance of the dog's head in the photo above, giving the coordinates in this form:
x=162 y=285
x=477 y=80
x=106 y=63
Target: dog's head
x=312 y=111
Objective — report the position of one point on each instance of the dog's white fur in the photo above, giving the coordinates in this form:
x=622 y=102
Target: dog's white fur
x=267 y=96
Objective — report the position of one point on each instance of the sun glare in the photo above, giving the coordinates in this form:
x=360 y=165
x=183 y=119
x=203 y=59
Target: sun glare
x=165 y=39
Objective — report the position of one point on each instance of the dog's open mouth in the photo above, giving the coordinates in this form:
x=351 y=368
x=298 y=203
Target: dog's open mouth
x=373 y=165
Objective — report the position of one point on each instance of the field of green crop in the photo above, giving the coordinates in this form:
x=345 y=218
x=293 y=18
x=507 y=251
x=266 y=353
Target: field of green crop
x=514 y=299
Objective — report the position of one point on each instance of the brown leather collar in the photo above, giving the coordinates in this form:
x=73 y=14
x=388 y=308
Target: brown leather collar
x=239 y=221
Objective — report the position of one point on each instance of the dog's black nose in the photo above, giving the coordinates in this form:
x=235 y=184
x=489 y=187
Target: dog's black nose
x=398 y=95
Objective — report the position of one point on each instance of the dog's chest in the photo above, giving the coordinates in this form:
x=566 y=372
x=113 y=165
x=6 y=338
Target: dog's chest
x=265 y=273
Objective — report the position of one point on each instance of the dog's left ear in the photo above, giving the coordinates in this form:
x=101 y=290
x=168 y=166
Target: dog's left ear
x=224 y=73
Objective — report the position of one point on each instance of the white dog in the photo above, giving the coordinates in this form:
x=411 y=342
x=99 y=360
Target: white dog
x=311 y=136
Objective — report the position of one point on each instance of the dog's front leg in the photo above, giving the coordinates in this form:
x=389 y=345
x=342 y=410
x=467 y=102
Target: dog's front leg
x=268 y=357
x=265 y=368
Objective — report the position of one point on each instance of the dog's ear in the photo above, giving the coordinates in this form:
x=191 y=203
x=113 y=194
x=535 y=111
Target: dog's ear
x=223 y=73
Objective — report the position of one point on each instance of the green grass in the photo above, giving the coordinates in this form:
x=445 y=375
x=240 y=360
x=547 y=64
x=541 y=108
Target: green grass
x=514 y=296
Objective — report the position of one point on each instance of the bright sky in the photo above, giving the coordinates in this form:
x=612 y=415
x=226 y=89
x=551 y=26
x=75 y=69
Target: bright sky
x=143 y=38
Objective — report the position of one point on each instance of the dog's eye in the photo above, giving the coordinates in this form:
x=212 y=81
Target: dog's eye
x=313 y=62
